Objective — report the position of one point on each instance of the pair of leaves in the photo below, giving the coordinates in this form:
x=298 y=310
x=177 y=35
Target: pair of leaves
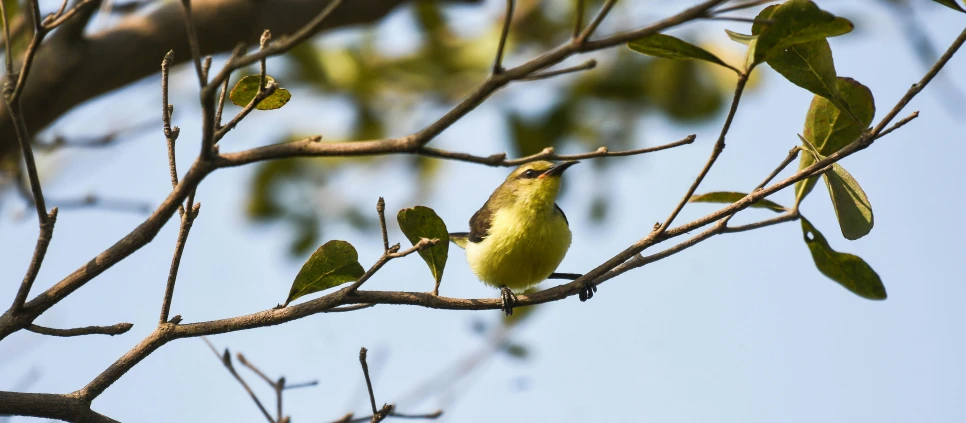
x=852 y=207
x=950 y=4
x=337 y=262
x=246 y=89
x=827 y=130
x=848 y=270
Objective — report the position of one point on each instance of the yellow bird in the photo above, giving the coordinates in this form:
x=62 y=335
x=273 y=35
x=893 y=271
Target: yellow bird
x=520 y=235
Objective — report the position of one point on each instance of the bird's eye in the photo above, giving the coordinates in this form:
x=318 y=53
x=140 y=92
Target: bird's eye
x=530 y=173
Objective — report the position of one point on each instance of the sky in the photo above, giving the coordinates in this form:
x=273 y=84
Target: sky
x=740 y=328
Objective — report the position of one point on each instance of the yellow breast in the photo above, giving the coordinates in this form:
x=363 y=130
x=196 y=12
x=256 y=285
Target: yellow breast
x=523 y=247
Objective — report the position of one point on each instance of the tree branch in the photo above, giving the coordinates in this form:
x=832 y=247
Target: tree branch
x=88 y=330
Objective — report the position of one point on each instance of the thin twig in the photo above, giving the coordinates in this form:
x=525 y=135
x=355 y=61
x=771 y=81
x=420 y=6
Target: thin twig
x=598 y=19
x=36 y=261
x=741 y=6
x=381 y=211
x=226 y=361
x=88 y=330
x=792 y=154
x=898 y=124
x=547 y=154
x=187 y=220
x=378 y=415
x=578 y=18
x=349 y=418
x=193 y=43
x=498 y=62
x=590 y=64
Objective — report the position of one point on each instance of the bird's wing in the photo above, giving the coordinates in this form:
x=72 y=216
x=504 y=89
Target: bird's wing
x=561 y=213
x=480 y=224
x=459 y=238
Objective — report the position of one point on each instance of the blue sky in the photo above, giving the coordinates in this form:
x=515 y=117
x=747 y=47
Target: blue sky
x=741 y=328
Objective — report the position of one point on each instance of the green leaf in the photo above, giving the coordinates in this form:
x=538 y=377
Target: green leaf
x=731 y=197
x=808 y=65
x=422 y=222
x=794 y=22
x=669 y=47
x=851 y=205
x=333 y=264
x=950 y=4
x=741 y=38
x=848 y=270
x=247 y=88
x=828 y=129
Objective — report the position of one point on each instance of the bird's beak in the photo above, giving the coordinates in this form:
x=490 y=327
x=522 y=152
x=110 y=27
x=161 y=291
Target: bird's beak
x=557 y=170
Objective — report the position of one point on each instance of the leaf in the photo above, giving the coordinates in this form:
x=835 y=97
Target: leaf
x=422 y=222
x=731 y=197
x=793 y=22
x=333 y=264
x=851 y=205
x=828 y=129
x=668 y=47
x=848 y=270
x=741 y=38
x=517 y=351
x=247 y=88
x=808 y=65
x=950 y=4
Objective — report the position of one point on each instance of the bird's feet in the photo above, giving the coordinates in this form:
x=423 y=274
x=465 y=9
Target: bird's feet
x=587 y=291
x=509 y=299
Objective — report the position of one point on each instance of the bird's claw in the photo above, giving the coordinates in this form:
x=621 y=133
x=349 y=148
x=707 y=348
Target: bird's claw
x=509 y=299
x=586 y=292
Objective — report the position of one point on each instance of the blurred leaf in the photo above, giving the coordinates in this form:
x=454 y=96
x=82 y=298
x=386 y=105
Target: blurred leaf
x=741 y=38
x=808 y=65
x=516 y=351
x=333 y=264
x=793 y=22
x=731 y=197
x=306 y=235
x=422 y=222
x=950 y=4
x=848 y=270
x=308 y=65
x=669 y=47
x=246 y=89
x=599 y=208
x=685 y=90
x=828 y=129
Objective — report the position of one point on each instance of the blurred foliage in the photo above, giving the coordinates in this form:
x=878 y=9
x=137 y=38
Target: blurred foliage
x=588 y=109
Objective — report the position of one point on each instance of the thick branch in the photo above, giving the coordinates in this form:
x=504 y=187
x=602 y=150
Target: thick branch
x=88 y=330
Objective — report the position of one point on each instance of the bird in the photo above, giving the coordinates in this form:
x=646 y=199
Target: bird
x=520 y=235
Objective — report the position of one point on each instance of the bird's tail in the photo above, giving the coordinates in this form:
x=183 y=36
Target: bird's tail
x=459 y=238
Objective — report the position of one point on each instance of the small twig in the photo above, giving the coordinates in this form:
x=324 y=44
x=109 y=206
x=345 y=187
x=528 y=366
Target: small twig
x=40 y=251
x=380 y=414
x=88 y=330
x=392 y=253
x=547 y=154
x=349 y=418
x=301 y=385
x=262 y=43
x=498 y=62
x=792 y=154
x=91 y=141
x=187 y=220
x=604 y=10
x=353 y=307
x=56 y=20
x=226 y=361
x=737 y=19
x=898 y=124
x=170 y=133
x=278 y=386
x=236 y=53
x=194 y=43
x=381 y=211
x=578 y=18
x=590 y=64
x=261 y=95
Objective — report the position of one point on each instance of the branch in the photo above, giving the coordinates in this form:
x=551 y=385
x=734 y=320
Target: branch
x=187 y=220
x=88 y=330
x=588 y=65
x=378 y=415
x=226 y=361
x=51 y=406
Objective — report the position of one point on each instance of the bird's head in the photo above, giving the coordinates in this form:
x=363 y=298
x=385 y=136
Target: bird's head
x=535 y=181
